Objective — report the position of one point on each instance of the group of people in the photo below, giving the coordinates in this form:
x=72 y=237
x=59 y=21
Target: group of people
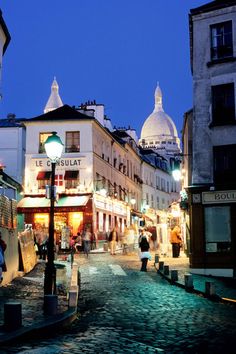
x=175 y=240
x=84 y=242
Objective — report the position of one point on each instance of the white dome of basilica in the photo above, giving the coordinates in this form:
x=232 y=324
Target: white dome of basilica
x=159 y=131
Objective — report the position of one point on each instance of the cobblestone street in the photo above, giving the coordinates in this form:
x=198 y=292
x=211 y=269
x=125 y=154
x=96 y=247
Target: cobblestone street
x=123 y=310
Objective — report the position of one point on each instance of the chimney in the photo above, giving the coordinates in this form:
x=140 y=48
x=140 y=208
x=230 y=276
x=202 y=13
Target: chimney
x=11 y=117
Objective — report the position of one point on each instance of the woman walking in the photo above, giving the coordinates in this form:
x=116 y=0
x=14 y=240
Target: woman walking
x=144 y=251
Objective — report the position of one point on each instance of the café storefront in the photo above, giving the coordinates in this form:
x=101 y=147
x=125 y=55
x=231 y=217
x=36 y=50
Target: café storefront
x=72 y=215
x=213 y=232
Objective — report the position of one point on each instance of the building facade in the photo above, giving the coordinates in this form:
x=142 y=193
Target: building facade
x=91 y=181
x=212 y=193
x=12 y=147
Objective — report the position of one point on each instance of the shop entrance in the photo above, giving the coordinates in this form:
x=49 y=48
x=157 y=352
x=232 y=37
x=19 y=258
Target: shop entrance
x=66 y=225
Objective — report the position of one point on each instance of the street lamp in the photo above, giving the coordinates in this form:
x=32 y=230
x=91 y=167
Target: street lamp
x=53 y=147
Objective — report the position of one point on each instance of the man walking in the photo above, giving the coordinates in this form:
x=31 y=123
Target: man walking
x=113 y=239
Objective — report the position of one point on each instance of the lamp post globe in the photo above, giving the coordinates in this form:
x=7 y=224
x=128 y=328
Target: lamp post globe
x=53 y=146
x=133 y=201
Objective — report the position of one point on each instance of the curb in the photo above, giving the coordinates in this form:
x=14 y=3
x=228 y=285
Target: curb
x=53 y=322
x=215 y=298
x=50 y=322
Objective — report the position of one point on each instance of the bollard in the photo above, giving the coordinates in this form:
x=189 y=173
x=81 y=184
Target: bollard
x=188 y=281
x=73 y=296
x=50 y=304
x=166 y=270
x=12 y=316
x=156 y=258
x=209 y=288
x=174 y=275
x=161 y=265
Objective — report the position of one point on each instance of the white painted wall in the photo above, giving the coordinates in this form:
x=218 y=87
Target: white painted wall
x=12 y=151
x=36 y=162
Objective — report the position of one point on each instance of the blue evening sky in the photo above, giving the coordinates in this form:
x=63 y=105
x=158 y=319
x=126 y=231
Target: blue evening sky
x=113 y=51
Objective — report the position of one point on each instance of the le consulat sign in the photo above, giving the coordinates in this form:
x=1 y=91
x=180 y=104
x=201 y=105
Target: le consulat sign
x=219 y=197
x=66 y=162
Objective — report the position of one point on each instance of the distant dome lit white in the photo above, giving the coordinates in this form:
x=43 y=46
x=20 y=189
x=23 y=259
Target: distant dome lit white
x=159 y=131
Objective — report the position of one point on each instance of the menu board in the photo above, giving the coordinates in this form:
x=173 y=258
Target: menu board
x=28 y=254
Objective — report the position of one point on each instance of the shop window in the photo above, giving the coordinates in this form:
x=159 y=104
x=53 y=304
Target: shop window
x=217 y=229
x=72 y=142
x=44 y=179
x=221 y=40
x=42 y=138
x=224 y=164
x=71 y=179
x=223 y=104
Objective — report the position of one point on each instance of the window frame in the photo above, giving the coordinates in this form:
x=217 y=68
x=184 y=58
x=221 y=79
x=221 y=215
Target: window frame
x=74 y=146
x=223 y=104
x=225 y=50
x=42 y=138
x=218 y=234
x=224 y=164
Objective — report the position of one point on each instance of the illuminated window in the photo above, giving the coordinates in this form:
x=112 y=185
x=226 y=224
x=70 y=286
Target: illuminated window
x=217 y=229
x=43 y=178
x=71 y=179
x=72 y=142
x=42 y=138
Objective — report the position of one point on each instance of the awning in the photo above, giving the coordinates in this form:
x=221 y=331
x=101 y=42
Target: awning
x=72 y=201
x=43 y=175
x=37 y=204
x=71 y=175
x=30 y=202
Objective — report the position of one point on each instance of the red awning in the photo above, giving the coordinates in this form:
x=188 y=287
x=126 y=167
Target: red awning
x=42 y=175
x=71 y=175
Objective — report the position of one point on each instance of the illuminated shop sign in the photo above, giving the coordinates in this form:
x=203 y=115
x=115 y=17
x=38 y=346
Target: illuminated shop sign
x=219 y=197
x=62 y=163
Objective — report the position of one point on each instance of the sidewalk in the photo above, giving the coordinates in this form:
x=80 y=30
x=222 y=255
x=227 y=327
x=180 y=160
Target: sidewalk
x=28 y=290
x=225 y=288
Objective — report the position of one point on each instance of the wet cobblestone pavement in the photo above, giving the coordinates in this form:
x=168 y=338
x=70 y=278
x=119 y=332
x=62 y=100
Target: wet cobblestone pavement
x=29 y=291
x=123 y=310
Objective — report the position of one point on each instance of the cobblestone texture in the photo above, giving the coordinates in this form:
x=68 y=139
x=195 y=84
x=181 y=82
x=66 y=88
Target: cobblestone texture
x=137 y=313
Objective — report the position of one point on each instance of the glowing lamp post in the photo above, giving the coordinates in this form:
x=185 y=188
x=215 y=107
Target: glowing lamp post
x=53 y=147
x=176 y=173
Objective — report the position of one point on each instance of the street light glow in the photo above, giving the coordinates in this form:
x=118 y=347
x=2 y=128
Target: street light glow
x=176 y=175
x=53 y=146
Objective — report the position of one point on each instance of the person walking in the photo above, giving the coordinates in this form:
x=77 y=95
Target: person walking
x=144 y=250
x=175 y=240
x=86 y=241
x=113 y=239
